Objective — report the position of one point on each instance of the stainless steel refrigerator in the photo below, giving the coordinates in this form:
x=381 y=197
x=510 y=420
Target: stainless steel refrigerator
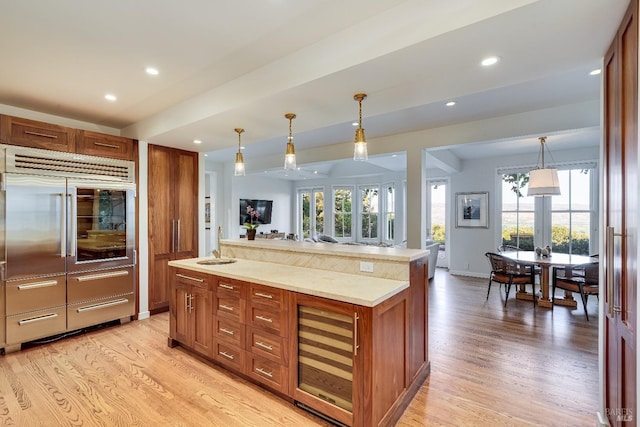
x=68 y=242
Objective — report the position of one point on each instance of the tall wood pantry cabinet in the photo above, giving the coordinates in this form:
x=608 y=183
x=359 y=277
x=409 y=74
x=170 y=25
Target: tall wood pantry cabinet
x=173 y=221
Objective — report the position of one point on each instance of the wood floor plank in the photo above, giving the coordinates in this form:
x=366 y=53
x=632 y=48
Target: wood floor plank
x=491 y=366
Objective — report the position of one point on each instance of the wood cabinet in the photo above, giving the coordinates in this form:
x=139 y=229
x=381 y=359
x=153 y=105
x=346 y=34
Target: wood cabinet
x=31 y=133
x=190 y=315
x=621 y=204
x=173 y=201
x=346 y=361
x=99 y=144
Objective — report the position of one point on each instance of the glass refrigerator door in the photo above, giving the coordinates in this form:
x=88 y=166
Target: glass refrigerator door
x=101 y=226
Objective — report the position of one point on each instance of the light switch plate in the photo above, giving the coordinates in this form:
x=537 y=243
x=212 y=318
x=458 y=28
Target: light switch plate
x=367 y=267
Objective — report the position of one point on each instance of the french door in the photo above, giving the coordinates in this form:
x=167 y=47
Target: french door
x=621 y=221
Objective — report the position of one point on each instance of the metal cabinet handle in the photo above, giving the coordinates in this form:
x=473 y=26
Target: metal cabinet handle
x=102 y=144
x=609 y=253
x=355 y=333
x=74 y=230
x=63 y=225
x=263 y=372
x=44 y=135
x=35 y=285
x=195 y=279
x=264 y=319
x=102 y=276
x=260 y=294
x=173 y=236
x=191 y=298
x=103 y=305
x=227 y=355
x=263 y=345
x=38 y=319
x=227 y=331
x=226 y=307
x=224 y=286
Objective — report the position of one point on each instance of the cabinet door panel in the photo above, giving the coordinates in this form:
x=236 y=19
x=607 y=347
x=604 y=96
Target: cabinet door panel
x=99 y=144
x=179 y=314
x=201 y=320
x=186 y=202
x=30 y=133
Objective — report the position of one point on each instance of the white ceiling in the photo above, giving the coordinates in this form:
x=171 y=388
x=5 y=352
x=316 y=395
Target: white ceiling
x=245 y=64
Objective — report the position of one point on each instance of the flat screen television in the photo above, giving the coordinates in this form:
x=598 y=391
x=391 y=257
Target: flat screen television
x=262 y=206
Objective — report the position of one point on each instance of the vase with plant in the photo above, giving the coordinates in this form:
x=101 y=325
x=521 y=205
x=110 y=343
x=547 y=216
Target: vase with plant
x=251 y=226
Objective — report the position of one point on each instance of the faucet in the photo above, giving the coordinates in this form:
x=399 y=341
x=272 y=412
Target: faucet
x=215 y=253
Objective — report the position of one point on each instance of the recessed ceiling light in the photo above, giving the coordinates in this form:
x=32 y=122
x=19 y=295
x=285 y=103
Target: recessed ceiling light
x=450 y=103
x=206 y=155
x=242 y=147
x=595 y=72
x=152 y=71
x=110 y=97
x=197 y=141
x=394 y=155
x=315 y=172
x=355 y=124
x=491 y=60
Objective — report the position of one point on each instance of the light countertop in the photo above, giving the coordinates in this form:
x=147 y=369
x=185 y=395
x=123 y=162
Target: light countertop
x=337 y=249
x=355 y=289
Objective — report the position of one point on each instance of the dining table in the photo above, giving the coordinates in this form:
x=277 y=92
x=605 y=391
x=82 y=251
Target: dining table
x=556 y=259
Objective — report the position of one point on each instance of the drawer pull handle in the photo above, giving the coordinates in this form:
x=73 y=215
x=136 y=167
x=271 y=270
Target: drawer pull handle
x=37 y=285
x=102 y=276
x=44 y=135
x=223 y=286
x=103 y=305
x=227 y=331
x=263 y=345
x=37 y=319
x=227 y=355
x=102 y=144
x=226 y=307
x=264 y=319
x=195 y=279
x=265 y=373
x=260 y=294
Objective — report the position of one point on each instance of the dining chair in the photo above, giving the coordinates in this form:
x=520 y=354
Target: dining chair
x=509 y=272
x=585 y=282
x=512 y=248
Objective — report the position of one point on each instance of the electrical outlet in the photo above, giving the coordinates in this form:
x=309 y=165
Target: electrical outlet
x=367 y=267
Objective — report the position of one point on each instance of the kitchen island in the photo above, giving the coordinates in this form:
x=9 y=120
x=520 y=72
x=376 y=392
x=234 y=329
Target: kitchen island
x=348 y=344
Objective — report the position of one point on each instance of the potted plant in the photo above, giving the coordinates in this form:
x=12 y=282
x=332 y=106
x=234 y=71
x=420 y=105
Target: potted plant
x=250 y=226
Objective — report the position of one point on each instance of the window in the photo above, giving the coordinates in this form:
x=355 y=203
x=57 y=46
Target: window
x=518 y=211
x=342 y=212
x=389 y=213
x=369 y=209
x=565 y=222
x=310 y=212
x=571 y=212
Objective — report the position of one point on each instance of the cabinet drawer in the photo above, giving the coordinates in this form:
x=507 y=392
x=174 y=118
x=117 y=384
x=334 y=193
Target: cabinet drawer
x=99 y=285
x=229 y=330
x=30 y=133
x=267 y=372
x=229 y=355
x=192 y=278
x=37 y=324
x=35 y=294
x=229 y=288
x=231 y=308
x=95 y=312
x=265 y=295
x=269 y=346
x=99 y=144
x=274 y=321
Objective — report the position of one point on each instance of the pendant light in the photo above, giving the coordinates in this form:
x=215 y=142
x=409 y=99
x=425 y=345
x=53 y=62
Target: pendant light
x=290 y=154
x=239 y=170
x=543 y=181
x=360 y=142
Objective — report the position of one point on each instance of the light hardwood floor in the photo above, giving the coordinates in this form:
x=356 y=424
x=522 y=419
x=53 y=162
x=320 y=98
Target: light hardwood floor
x=490 y=366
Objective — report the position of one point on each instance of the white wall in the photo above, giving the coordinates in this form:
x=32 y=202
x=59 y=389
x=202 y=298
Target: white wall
x=468 y=245
x=260 y=187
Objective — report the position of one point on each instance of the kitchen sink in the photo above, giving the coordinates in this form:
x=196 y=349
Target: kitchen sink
x=216 y=261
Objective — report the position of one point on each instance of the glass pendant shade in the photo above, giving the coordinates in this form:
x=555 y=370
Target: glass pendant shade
x=360 y=142
x=290 y=154
x=239 y=168
x=543 y=181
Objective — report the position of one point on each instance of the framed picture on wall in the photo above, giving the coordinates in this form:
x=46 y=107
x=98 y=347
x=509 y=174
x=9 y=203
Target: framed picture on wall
x=207 y=213
x=472 y=210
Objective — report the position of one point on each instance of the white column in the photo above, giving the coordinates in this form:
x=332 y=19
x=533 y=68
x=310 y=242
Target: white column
x=416 y=198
